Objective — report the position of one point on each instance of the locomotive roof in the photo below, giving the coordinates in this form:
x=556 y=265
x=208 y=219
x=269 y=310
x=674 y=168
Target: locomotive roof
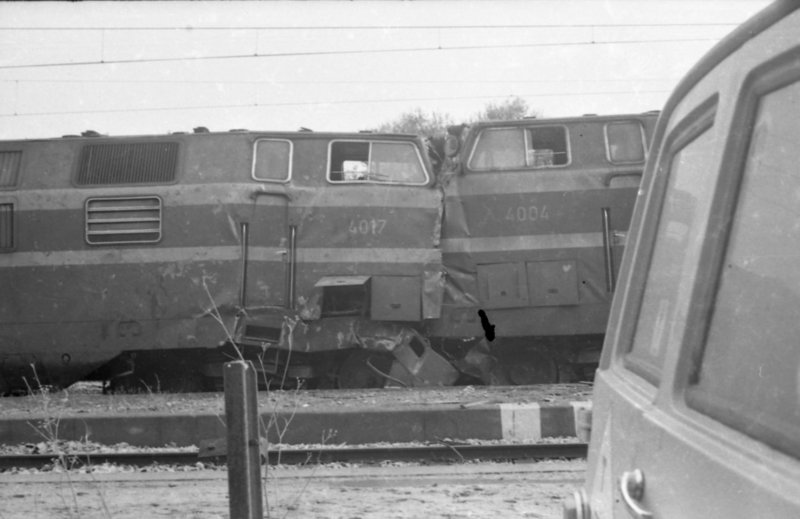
x=528 y=121
x=90 y=135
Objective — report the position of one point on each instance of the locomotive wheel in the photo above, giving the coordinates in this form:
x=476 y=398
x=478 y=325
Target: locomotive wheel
x=357 y=370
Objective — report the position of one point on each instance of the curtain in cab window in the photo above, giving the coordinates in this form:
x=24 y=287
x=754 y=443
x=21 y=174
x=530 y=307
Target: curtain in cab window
x=680 y=234
x=749 y=375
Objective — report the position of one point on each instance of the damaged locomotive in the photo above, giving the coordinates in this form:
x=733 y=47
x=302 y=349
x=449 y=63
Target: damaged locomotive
x=329 y=259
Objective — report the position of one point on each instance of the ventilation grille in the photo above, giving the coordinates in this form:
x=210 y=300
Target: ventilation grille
x=6 y=227
x=128 y=163
x=123 y=220
x=9 y=167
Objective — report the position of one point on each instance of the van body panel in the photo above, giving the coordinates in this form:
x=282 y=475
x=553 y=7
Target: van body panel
x=696 y=405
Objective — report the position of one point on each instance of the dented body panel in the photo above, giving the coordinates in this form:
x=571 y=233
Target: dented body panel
x=524 y=236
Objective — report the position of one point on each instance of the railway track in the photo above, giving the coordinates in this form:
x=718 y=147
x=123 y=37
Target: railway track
x=445 y=453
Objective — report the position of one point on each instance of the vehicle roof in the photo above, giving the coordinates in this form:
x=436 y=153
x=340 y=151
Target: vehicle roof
x=724 y=48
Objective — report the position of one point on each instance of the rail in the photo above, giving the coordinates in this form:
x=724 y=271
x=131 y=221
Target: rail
x=444 y=453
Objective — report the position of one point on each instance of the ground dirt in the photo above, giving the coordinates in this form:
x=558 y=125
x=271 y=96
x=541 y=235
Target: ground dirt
x=391 y=491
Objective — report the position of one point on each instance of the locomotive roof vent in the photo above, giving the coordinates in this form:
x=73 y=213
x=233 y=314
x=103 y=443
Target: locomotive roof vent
x=90 y=133
x=202 y=129
x=304 y=129
x=239 y=130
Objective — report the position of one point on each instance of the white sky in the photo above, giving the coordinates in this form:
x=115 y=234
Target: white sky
x=342 y=66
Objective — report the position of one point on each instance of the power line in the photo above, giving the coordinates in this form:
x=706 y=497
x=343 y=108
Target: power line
x=352 y=52
x=190 y=28
x=330 y=82
x=316 y=103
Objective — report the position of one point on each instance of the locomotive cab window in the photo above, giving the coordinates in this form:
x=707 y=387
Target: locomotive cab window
x=272 y=160
x=546 y=147
x=625 y=142
x=375 y=162
x=520 y=148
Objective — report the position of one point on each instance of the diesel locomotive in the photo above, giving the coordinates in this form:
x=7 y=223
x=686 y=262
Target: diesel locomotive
x=331 y=259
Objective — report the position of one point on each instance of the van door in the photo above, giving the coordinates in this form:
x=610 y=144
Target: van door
x=697 y=401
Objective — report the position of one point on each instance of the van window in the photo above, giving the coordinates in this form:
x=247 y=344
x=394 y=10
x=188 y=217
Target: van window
x=383 y=162
x=680 y=234
x=517 y=148
x=273 y=160
x=625 y=142
x=749 y=372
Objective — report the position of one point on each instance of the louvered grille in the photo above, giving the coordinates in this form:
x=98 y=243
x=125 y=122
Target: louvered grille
x=128 y=163
x=6 y=226
x=9 y=167
x=123 y=220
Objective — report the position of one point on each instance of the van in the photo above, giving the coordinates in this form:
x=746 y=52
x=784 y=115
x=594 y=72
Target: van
x=696 y=406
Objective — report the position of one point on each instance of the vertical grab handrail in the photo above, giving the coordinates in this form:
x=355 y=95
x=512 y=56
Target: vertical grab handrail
x=609 y=257
x=245 y=248
x=292 y=265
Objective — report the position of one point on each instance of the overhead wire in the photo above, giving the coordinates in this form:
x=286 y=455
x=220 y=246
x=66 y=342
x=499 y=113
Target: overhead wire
x=327 y=82
x=439 y=48
x=257 y=104
x=372 y=27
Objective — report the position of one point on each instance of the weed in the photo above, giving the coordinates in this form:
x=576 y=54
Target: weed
x=63 y=460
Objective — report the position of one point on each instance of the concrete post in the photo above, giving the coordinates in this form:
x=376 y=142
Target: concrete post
x=244 y=458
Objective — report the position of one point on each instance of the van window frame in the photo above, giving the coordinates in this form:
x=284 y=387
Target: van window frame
x=699 y=121
x=761 y=81
x=290 y=161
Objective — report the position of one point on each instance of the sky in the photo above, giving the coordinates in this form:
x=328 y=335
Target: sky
x=133 y=68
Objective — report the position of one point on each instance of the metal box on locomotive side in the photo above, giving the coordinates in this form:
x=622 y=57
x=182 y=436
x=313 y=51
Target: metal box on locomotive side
x=535 y=219
x=142 y=260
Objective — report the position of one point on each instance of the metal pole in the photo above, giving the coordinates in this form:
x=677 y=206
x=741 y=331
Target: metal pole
x=244 y=458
